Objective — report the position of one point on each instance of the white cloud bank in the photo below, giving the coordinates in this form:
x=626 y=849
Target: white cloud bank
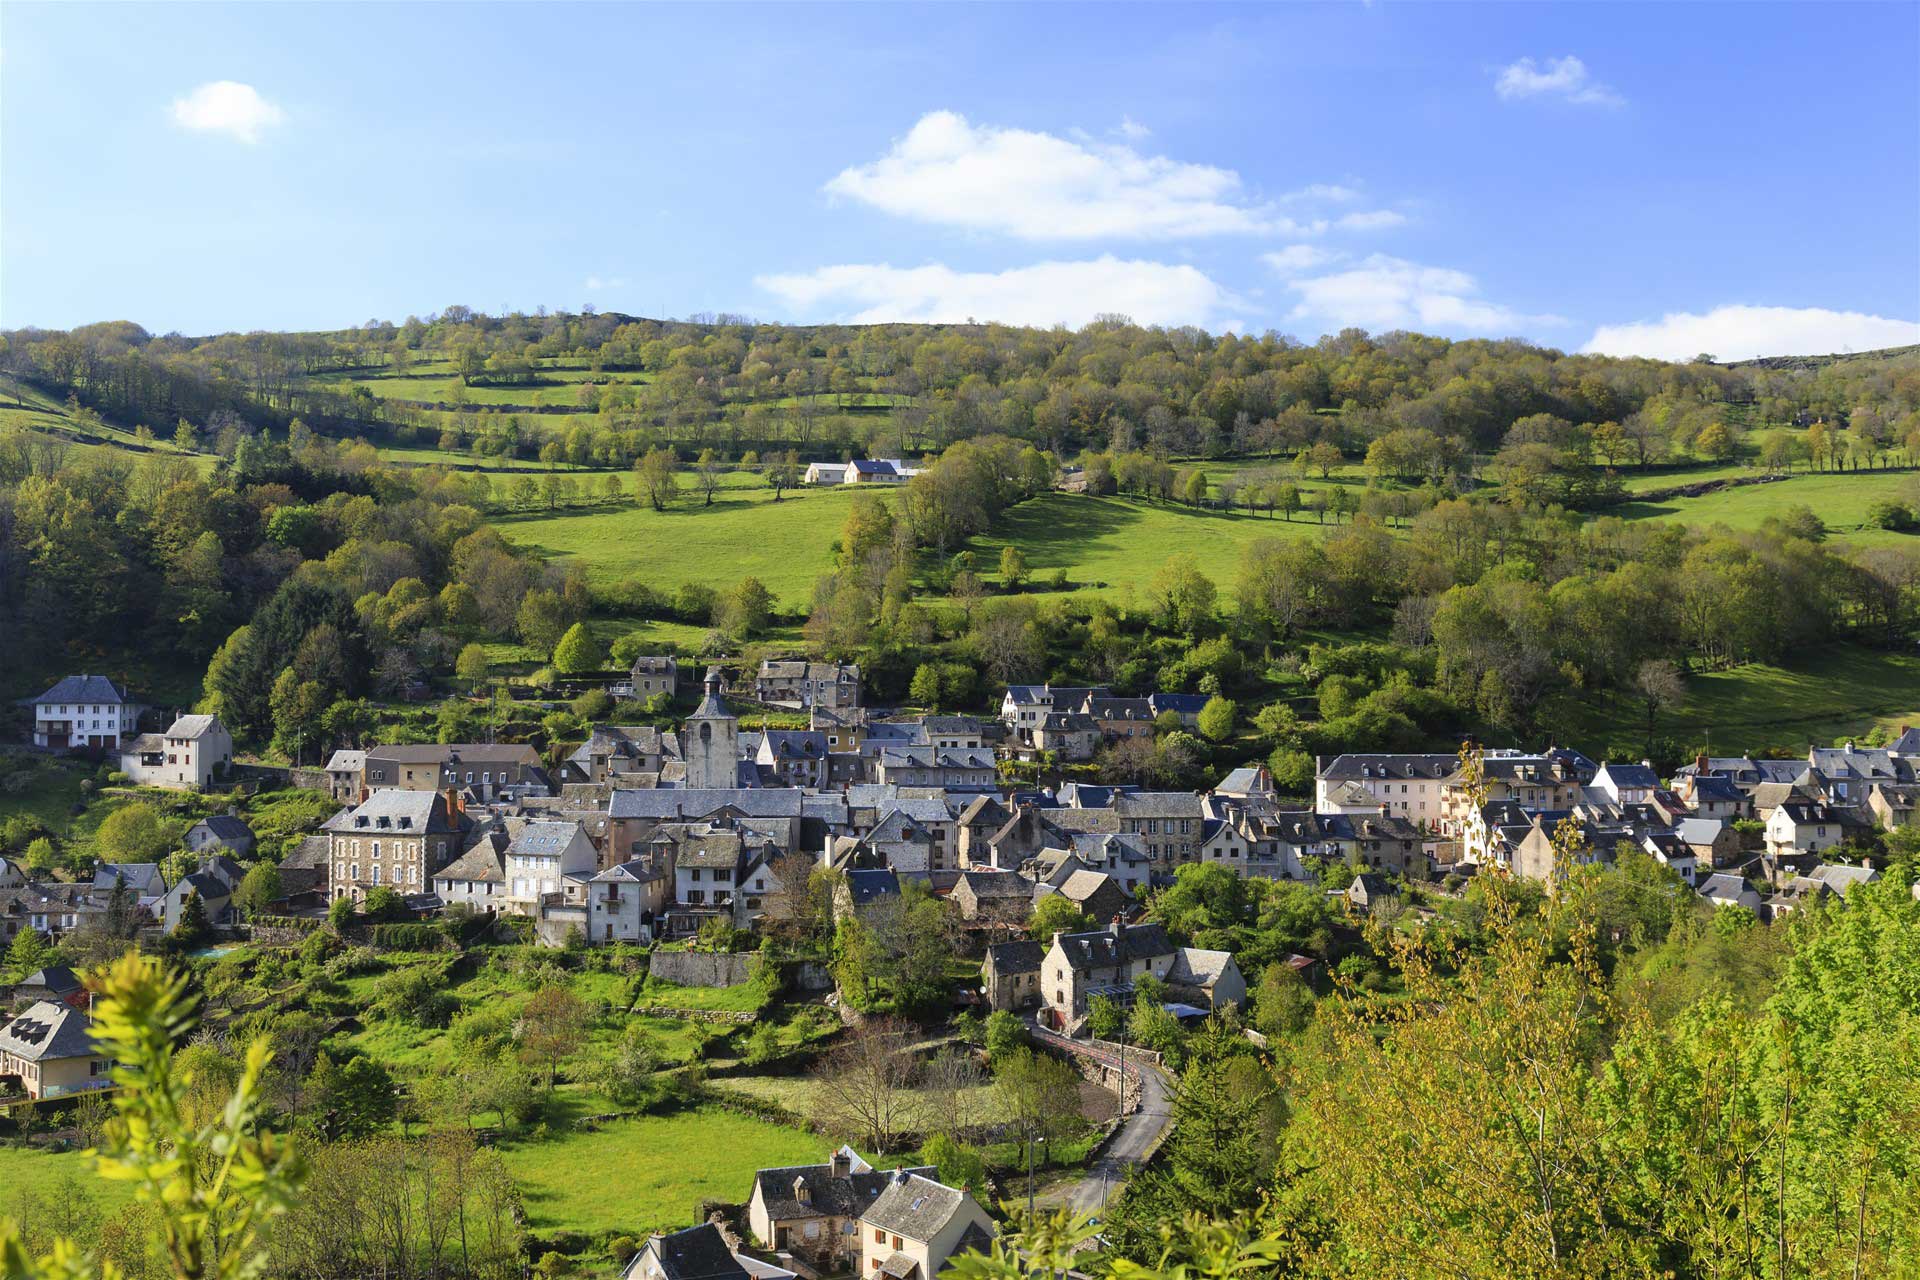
x=1045 y=293
x=1037 y=186
x=1742 y=332
x=1565 y=78
x=1379 y=292
x=229 y=107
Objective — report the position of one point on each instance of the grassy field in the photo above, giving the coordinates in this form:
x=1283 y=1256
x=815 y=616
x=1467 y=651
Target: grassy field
x=28 y=1172
x=635 y=1176
x=1110 y=544
x=786 y=544
x=1756 y=708
x=1841 y=499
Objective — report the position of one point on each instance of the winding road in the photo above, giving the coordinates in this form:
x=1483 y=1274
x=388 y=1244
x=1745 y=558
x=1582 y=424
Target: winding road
x=1128 y=1149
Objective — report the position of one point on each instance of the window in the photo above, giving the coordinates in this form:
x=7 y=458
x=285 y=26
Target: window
x=879 y=1237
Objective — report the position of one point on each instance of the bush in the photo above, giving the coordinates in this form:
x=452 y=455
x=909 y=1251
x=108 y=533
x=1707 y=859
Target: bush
x=1891 y=515
x=415 y=995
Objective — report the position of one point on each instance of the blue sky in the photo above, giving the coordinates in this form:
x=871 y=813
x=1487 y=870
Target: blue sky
x=1666 y=179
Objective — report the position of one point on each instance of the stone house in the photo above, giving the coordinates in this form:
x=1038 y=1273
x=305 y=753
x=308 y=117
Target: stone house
x=1167 y=822
x=220 y=832
x=189 y=756
x=654 y=673
x=990 y=897
x=814 y=1210
x=485 y=769
x=395 y=837
x=798 y=682
x=1010 y=974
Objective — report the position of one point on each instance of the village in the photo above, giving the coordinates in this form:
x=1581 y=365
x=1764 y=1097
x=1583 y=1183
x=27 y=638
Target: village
x=707 y=839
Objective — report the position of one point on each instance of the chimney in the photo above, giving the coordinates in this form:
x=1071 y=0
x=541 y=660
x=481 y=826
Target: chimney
x=1117 y=927
x=1700 y=764
x=839 y=1164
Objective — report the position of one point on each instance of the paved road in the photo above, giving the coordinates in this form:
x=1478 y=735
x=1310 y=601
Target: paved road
x=1139 y=1134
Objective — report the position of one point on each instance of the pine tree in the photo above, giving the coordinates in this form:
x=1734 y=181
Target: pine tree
x=194 y=927
x=28 y=952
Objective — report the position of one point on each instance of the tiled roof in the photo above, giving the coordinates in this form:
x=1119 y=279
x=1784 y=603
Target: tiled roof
x=914 y=1206
x=48 y=1031
x=88 y=689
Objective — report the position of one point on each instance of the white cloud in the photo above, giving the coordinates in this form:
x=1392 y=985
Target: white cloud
x=1372 y=220
x=227 y=106
x=1132 y=130
x=606 y=282
x=1324 y=191
x=1298 y=259
x=1742 y=332
x=1381 y=292
x=1566 y=78
x=1045 y=293
x=1041 y=187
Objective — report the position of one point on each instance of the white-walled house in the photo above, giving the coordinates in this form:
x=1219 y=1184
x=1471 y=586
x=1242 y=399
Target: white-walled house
x=541 y=857
x=85 y=711
x=624 y=901
x=1804 y=826
x=915 y=1225
x=187 y=757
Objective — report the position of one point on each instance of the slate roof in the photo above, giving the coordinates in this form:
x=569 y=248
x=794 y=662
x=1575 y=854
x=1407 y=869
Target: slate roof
x=543 y=839
x=1349 y=767
x=1104 y=947
x=344 y=761
x=48 y=1031
x=140 y=877
x=1700 y=830
x=1195 y=967
x=1721 y=884
x=464 y=752
x=409 y=812
x=1632 y=777
x=89 y=689
x=57 y=978
x=1081 y=886
x=697 y=1253
x=914 y=1206
x=985 y=810
x=225 y=826
x=846 y=1196
x=1186 y=704
x=1157 y=804
x=480 y=863
x=310 y=853
x=632 y=871
x=1023 y=956
x=192 y=727
x=997 y=884
x=686 y=803
x=1840 y=878
x=866 y=886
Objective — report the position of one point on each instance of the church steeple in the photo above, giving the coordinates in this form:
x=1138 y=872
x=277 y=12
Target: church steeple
x=710 y=740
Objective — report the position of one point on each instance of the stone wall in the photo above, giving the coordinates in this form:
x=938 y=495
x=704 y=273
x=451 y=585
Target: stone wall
x=701 y=968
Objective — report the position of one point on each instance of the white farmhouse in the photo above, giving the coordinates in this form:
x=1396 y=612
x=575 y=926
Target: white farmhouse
x=85 y=711
x=187 y=757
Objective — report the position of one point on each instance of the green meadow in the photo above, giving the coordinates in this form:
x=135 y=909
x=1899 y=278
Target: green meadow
x=641 y=1175
x=788 y=544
